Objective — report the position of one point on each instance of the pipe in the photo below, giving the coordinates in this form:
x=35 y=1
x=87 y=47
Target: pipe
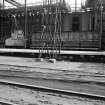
x=25 y=27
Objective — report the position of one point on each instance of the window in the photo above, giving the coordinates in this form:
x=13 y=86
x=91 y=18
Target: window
x=75 y=23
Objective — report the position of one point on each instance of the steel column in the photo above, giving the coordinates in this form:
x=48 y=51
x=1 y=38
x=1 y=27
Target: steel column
x=101 y=20
x=25 y=27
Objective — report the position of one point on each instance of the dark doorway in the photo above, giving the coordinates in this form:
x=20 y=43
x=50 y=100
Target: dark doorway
x=75 y=23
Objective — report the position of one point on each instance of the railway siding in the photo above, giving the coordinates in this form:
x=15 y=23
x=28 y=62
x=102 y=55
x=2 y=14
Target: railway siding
x=34 y=96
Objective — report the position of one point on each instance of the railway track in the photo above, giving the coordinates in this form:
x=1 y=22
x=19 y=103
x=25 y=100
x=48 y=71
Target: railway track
x=57 y=78
x=82 y=90
x=17 y=68
x=6 y=103
x=51 y=79
x=50 y=91
x=54 y=89
x=38 y=72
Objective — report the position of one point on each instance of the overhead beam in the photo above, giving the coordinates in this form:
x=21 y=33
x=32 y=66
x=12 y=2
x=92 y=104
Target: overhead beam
x=14 y=3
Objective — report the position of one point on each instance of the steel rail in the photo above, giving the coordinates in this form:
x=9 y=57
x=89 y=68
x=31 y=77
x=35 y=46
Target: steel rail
x=67 y=80
x=82 y=73
x=51 y=69
x=43 y=88
x=2 y=102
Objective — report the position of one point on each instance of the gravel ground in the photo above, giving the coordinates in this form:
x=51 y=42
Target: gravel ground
x=22 y=96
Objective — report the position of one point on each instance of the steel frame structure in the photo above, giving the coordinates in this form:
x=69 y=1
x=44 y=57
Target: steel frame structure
x=51 y=23
x=97 y=6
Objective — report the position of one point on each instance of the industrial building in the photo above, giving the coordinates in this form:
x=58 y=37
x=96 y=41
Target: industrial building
x=53 y=24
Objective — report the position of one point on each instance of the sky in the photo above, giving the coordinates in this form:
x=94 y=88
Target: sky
x=69 y=2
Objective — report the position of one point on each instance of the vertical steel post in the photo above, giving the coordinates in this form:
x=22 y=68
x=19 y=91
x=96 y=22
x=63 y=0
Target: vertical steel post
x=60 y=28
x=60 y=32
x=101 y=15
x=75 y=5
x=25 y=27
x=81 y=16
x=3 y=34
x=3 y=4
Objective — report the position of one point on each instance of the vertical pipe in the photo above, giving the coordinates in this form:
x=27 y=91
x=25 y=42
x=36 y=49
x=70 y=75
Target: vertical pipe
x=101 y=9
x=90 y=21
x=81 y=22
x=55 y=31
x=75 y=5
x=3 y=35
x=25 y=27
x=95 y=20
x=60 y=26
x=101 y=17
x=3 y=4
x=60 y=32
